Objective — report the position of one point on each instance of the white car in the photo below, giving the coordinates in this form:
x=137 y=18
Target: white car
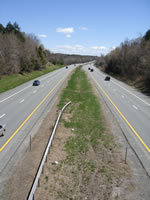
x=2 y=130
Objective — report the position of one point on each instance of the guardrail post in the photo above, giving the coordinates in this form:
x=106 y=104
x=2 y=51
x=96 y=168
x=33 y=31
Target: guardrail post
x=126 y=155
x=43 y=169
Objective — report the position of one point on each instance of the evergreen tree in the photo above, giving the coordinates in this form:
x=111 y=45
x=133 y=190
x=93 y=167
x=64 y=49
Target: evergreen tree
x=147 y=35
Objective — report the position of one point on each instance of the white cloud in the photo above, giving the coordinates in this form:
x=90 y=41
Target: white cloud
x=69 y=47
x=114 y=47
x=99 y=48
x=83 y=28
x=81 y=50
x=66 y=31
x=43 y=36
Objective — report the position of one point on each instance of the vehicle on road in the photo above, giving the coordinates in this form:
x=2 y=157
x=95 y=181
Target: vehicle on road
x=2 y=130
x=92 y=70
x=36 y=83
x=66 y=67
x=107 y=78
x=89 y=68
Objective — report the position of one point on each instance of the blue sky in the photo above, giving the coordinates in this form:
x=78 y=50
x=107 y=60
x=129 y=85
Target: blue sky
x=79 y=26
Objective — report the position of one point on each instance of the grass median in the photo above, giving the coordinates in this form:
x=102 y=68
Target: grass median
x=86 y=118
x=11 y=81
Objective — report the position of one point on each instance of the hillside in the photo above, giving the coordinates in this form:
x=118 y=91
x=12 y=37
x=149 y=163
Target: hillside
x=69 y=59
x=130 y=62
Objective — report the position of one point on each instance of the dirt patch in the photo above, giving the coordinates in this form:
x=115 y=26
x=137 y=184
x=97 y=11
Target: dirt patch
x=90 y=178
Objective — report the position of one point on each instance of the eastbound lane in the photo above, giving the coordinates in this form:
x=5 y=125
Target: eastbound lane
x=131 y=108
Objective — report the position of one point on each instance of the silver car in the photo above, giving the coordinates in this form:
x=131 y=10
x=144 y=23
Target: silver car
x=2 y=130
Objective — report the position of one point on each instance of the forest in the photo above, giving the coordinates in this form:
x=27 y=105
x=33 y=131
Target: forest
x=130 y=62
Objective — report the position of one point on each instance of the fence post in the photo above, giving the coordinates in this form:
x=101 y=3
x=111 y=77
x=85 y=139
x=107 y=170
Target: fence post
x=39 y=182
x=30 y=143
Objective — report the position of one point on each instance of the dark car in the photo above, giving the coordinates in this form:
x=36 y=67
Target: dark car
x=2 y=130
x=66 y=67
x=36 y=83
x=89 y=68
x=107 y=78
x=92 y=70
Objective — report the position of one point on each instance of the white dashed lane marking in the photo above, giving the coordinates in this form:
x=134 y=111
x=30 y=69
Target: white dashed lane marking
x=34 y=91
x=21 y=101
x=132 y=93
x=2 y=115
x=135 y=107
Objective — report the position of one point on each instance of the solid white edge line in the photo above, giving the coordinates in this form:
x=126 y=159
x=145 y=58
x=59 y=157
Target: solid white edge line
x=132 y=94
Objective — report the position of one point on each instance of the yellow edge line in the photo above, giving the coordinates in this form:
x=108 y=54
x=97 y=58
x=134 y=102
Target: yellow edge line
x=29 y=116
x=134 y=131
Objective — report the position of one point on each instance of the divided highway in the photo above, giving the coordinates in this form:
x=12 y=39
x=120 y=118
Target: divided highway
x=131 y=109
x=20 y=108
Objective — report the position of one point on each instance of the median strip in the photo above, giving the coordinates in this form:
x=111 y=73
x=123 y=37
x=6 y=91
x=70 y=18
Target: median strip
x=84 y=162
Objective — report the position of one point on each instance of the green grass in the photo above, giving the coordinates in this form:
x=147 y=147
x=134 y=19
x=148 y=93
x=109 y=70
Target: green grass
x=11 y=81
x=86 y=116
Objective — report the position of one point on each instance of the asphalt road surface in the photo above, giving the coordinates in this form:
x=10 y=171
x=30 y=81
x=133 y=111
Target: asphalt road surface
x=131 y=109
x=20 y=109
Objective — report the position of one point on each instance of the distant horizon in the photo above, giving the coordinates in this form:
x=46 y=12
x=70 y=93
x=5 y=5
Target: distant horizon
x=79 y=27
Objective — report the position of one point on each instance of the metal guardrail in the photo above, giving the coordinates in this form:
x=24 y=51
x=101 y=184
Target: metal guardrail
x=44 y=157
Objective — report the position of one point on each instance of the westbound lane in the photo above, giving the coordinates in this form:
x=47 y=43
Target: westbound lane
x=131 y=109
x=23 y=107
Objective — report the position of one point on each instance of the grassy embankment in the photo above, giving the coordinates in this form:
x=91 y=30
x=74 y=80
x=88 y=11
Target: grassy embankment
x=89 y=168
x=14 y=80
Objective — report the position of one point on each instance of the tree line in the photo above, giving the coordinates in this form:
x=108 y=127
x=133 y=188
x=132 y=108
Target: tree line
x=129 y=61
x=21 y=52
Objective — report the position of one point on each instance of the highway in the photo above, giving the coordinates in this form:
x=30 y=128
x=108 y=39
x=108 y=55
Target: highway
x=21 y=107
x=130 y=108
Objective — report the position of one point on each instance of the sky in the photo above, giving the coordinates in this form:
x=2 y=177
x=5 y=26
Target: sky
x=86 y=27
